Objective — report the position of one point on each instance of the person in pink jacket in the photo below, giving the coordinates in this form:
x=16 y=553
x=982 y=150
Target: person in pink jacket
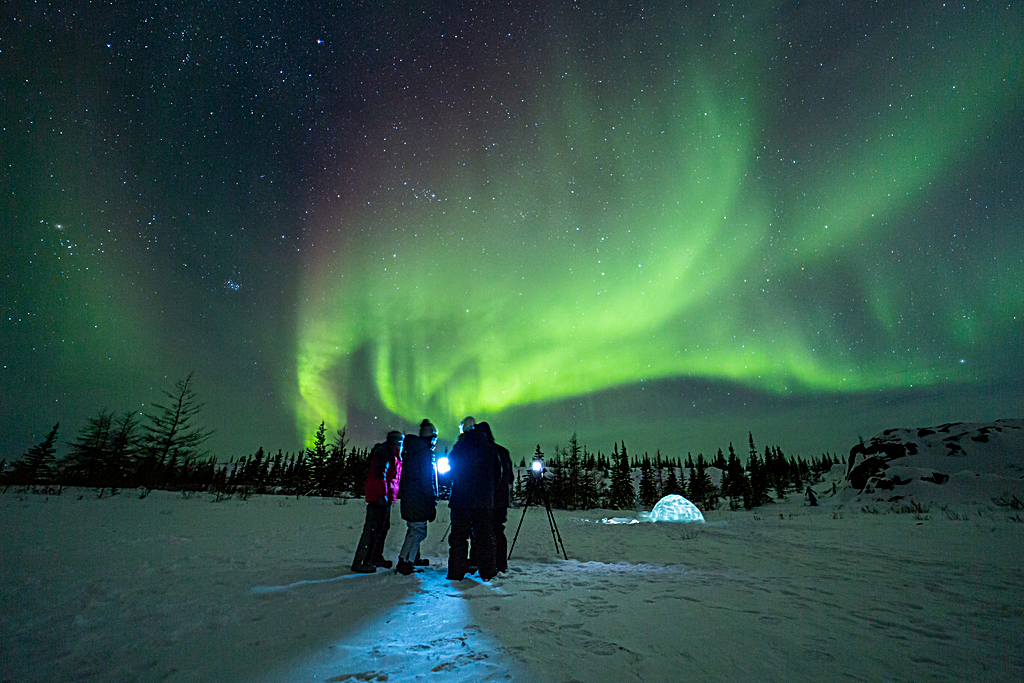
x=383 y=475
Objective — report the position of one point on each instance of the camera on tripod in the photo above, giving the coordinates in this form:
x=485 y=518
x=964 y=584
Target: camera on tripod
x=537 y=468
x=535 y=489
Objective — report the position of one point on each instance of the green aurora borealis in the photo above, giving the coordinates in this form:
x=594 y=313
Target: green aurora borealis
x=670 y=223
x=653 y=218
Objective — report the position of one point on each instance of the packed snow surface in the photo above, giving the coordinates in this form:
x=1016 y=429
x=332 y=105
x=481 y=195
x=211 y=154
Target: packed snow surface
x=175 y=588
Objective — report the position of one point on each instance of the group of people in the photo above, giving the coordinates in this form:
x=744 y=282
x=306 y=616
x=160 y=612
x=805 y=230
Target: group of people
x=402 y=468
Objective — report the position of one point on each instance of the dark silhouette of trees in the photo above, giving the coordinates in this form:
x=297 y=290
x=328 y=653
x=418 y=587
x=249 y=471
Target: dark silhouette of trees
x=703 y=492
x=621 y=495
x=86 y=461
x=648 y=494
x=171 y=439
x=759 y=479
x=720 y=462
x=519 y=489
x=591 y=482
x=39 y=464
x=165 y=452
x=316 y=458
x=574 y=475
x=121 y=449
x=734 y=481
x=672 y=486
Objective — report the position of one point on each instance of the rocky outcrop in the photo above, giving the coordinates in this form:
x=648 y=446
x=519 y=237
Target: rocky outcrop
x=920 y=462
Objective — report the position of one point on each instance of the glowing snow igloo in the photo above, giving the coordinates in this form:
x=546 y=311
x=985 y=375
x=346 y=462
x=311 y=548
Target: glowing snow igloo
x=676 y=509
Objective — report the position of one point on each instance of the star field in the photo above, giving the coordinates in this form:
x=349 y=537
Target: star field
x=670 y=223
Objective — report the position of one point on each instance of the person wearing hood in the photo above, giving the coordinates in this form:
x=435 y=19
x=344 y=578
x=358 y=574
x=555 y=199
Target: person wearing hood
x=417 y=493
x=383 y=476
x=502 y=497
x=475 y=475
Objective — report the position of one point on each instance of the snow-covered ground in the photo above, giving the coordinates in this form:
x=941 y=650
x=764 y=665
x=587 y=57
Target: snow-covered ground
x=169 y=588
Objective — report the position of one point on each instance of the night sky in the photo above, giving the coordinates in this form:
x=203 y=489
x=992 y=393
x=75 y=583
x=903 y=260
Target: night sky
x=669 y=223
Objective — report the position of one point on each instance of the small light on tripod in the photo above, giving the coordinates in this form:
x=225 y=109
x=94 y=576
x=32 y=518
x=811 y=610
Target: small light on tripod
x=538 y=466
x=442 y=466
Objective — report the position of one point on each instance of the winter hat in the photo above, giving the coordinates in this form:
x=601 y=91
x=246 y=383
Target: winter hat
x=467 y=424
x=485 y=429
x=395 y=435
x=427 y=430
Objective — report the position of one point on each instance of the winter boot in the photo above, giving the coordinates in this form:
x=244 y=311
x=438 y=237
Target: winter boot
x=381 y=562
x=420 y=561
x=361 y=563
x=405 y=567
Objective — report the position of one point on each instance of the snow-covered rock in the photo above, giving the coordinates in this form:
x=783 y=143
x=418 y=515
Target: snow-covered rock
x=951 y=463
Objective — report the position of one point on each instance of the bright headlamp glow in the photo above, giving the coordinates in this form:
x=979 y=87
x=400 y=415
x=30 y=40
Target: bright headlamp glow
x=538 y=466
x=442 y=466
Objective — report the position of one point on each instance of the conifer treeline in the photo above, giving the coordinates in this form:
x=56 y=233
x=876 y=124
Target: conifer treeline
x=109 y=458
x=579 y=480
x=164 y=453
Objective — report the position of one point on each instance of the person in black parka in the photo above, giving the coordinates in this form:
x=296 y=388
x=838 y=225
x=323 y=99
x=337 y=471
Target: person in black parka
x=475 y=474
x=417 y=493
x=502 y=496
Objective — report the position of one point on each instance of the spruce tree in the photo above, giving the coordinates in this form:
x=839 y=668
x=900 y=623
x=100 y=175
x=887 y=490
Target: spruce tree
x=555 y=480
x=39 y=464
x=300 y=474
x=778 y=470
x=795 y=474
x=171 y=437
x=659 y=474
x=699 y=483
x=123 y=444
x=648 y=490
x=621 y=494
x=519 y=490
x=590 y=484
x=720 y=462
x=757 y=490
x=88 y=455
x=726 y=484
x=736 y=491
x=317 y=458
x=334 y=473
x=574 y=475
x=709 y=490
x=672 y=483
x=275 y=469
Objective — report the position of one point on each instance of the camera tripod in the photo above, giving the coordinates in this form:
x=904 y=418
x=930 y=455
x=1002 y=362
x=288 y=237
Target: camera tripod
x=532 y=485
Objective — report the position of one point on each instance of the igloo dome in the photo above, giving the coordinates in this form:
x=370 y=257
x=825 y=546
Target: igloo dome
x=676 y=509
